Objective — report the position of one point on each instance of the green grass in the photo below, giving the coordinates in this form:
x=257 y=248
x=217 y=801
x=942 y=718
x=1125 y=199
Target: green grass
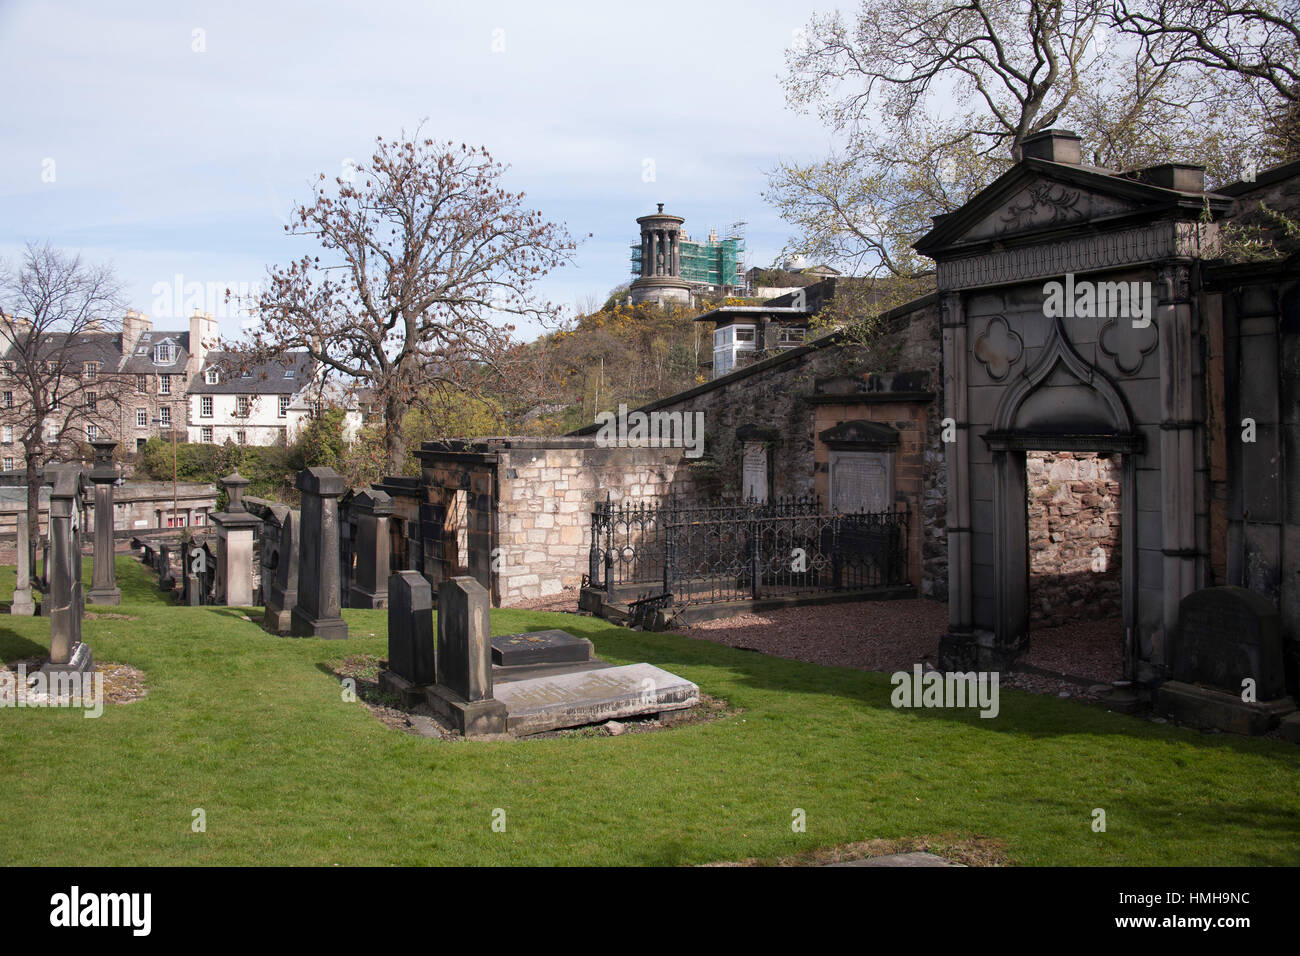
x=253 y=729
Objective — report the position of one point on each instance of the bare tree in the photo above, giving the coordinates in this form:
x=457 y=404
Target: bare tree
x=432 y=261
x=61 y=352
x=932 y=99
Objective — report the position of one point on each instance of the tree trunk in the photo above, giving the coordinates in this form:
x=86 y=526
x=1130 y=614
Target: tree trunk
x=394 y=443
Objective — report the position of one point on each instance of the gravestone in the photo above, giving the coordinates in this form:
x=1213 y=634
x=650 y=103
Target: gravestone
x=316 y=613
x=22 y=602
x=464 y=660
x=166 y=580
x=410 y=628
x=103 y=587
x=235 y=528
x=1227 y=662
x=540 y=647
x=67 y=652
x=372 y=546
x=283 y=592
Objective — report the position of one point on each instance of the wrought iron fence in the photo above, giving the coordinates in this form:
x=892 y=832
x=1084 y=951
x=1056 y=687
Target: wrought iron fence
x=710 y=554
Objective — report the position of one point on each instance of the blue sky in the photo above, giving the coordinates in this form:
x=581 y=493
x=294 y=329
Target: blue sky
x=123 y=142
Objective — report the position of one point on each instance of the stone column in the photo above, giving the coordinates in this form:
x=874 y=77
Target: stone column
x=464 y=660
x=235 y=545
x=103 y=585
x=677 y=254
x=373 y=547
x=957 y=646
x=317 y=612
x=654 y=252
x=22 y=602
x=67 y=652
x=282 y=591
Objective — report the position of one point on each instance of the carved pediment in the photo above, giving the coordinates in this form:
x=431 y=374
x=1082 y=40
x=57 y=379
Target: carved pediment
x=1043 y=204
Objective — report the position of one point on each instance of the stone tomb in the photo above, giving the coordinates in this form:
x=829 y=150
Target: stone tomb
x=1226 y=636
x=516 y=683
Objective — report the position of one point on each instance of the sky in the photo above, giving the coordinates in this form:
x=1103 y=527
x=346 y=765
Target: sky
x=171 y=139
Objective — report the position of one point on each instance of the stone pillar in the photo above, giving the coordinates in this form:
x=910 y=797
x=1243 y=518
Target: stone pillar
x=103 y=585
x=166 y=580
x=317 y=612
x=957 y=647
x=67 y=652
x=283 y=589
x=235 y=545
x=654 y=252
x=373 y=546
x=464 y=660
x=645 y=253
x=22 y=602
x=410 y=628
x=677 y=254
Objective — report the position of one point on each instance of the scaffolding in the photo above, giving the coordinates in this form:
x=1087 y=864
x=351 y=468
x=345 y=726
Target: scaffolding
x=717 y=264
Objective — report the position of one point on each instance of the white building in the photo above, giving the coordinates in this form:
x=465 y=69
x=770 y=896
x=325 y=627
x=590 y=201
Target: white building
x=261 y=405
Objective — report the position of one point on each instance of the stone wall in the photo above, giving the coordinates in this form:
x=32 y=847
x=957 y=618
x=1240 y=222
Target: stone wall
x=1074 y=536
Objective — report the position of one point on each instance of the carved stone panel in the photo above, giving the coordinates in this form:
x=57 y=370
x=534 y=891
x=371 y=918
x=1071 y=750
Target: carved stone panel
x=861 y=481
x=754 y=471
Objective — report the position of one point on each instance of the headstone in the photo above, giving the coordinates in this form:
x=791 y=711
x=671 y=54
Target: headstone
x=464 y=660
x=573 y=699
x=372 y=546
x=1227 y=663
x=104 y=475
x=235 y=528
x=540 y=647
x=67 y=652
x=22 y=602
x=410 y=628
x=317 y=612
x=283 y=592
x=166 y=580
x=1227 y=634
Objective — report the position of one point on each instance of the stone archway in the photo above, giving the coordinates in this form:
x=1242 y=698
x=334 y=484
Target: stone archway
x=1065 y=404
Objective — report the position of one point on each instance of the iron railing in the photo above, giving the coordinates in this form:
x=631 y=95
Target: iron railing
x=710 y=554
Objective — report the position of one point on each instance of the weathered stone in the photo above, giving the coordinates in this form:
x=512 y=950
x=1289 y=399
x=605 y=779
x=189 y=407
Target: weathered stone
x=463 y=692
x=22 y=602
x=1226 y=635
x=540 y=647
x=593 y=696
x=411 y=639
x=104 y=589
x=372 y=547
x=283 y=592
x=317 y=612
x=1215 y=709
x=67 y=652
x=235 y=527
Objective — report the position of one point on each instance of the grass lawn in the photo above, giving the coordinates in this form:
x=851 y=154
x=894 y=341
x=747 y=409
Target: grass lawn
x=253 y=729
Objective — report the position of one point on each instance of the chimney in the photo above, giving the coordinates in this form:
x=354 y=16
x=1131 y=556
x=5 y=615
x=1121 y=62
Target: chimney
x=134 y=324
x=204 y=336
x=1183 y=177
x=1053 y=145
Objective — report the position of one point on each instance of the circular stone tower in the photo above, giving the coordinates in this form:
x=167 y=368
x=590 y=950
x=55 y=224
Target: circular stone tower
x=661 y=274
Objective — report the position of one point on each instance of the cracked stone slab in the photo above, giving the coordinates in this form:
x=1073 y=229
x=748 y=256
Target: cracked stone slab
x=900 y=859
x=594 y=696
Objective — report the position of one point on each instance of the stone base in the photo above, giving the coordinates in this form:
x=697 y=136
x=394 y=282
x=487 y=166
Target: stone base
x=473 y=718
x=22 y=603
x=1203 y=707
x=333 y=629
x=106 y=597
x=376 y=600
x=1290 y=728
x=540 y=647
x=975 y=651
x=277 y=621
x=409 y=694
x=83 y=661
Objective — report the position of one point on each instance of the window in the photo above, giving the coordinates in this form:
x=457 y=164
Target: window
x=164 y=353
x=176 y=522
x=7 y=368
x=241 y=405
x=284 y=406
x=8 y=399
x=212 y=376
x=164 y=385
x=241 y=437
x=205 y=434
x=92 y=400
x=90 y=370
x=92 y=432
x=728 y=342
x=165 y=416
x=205 y=406
x=9 y=464
x=7 y=434
x=288 y=373
x=141 y=418
x=142 y=384
x=790 y=336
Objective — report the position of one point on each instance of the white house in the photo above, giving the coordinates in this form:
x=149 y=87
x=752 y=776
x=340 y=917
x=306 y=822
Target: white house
x=259 y=405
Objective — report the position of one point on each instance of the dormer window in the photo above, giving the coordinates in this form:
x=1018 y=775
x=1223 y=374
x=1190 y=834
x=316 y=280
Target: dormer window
x=288 y=373
x=212 y=376
x=164 y=353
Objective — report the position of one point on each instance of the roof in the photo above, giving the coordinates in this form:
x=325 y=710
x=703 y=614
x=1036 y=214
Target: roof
x=101 y=347
x=141 y=362
x=268 y=378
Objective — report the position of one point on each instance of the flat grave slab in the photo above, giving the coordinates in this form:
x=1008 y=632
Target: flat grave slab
x=593 y=696
x=539 y=647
